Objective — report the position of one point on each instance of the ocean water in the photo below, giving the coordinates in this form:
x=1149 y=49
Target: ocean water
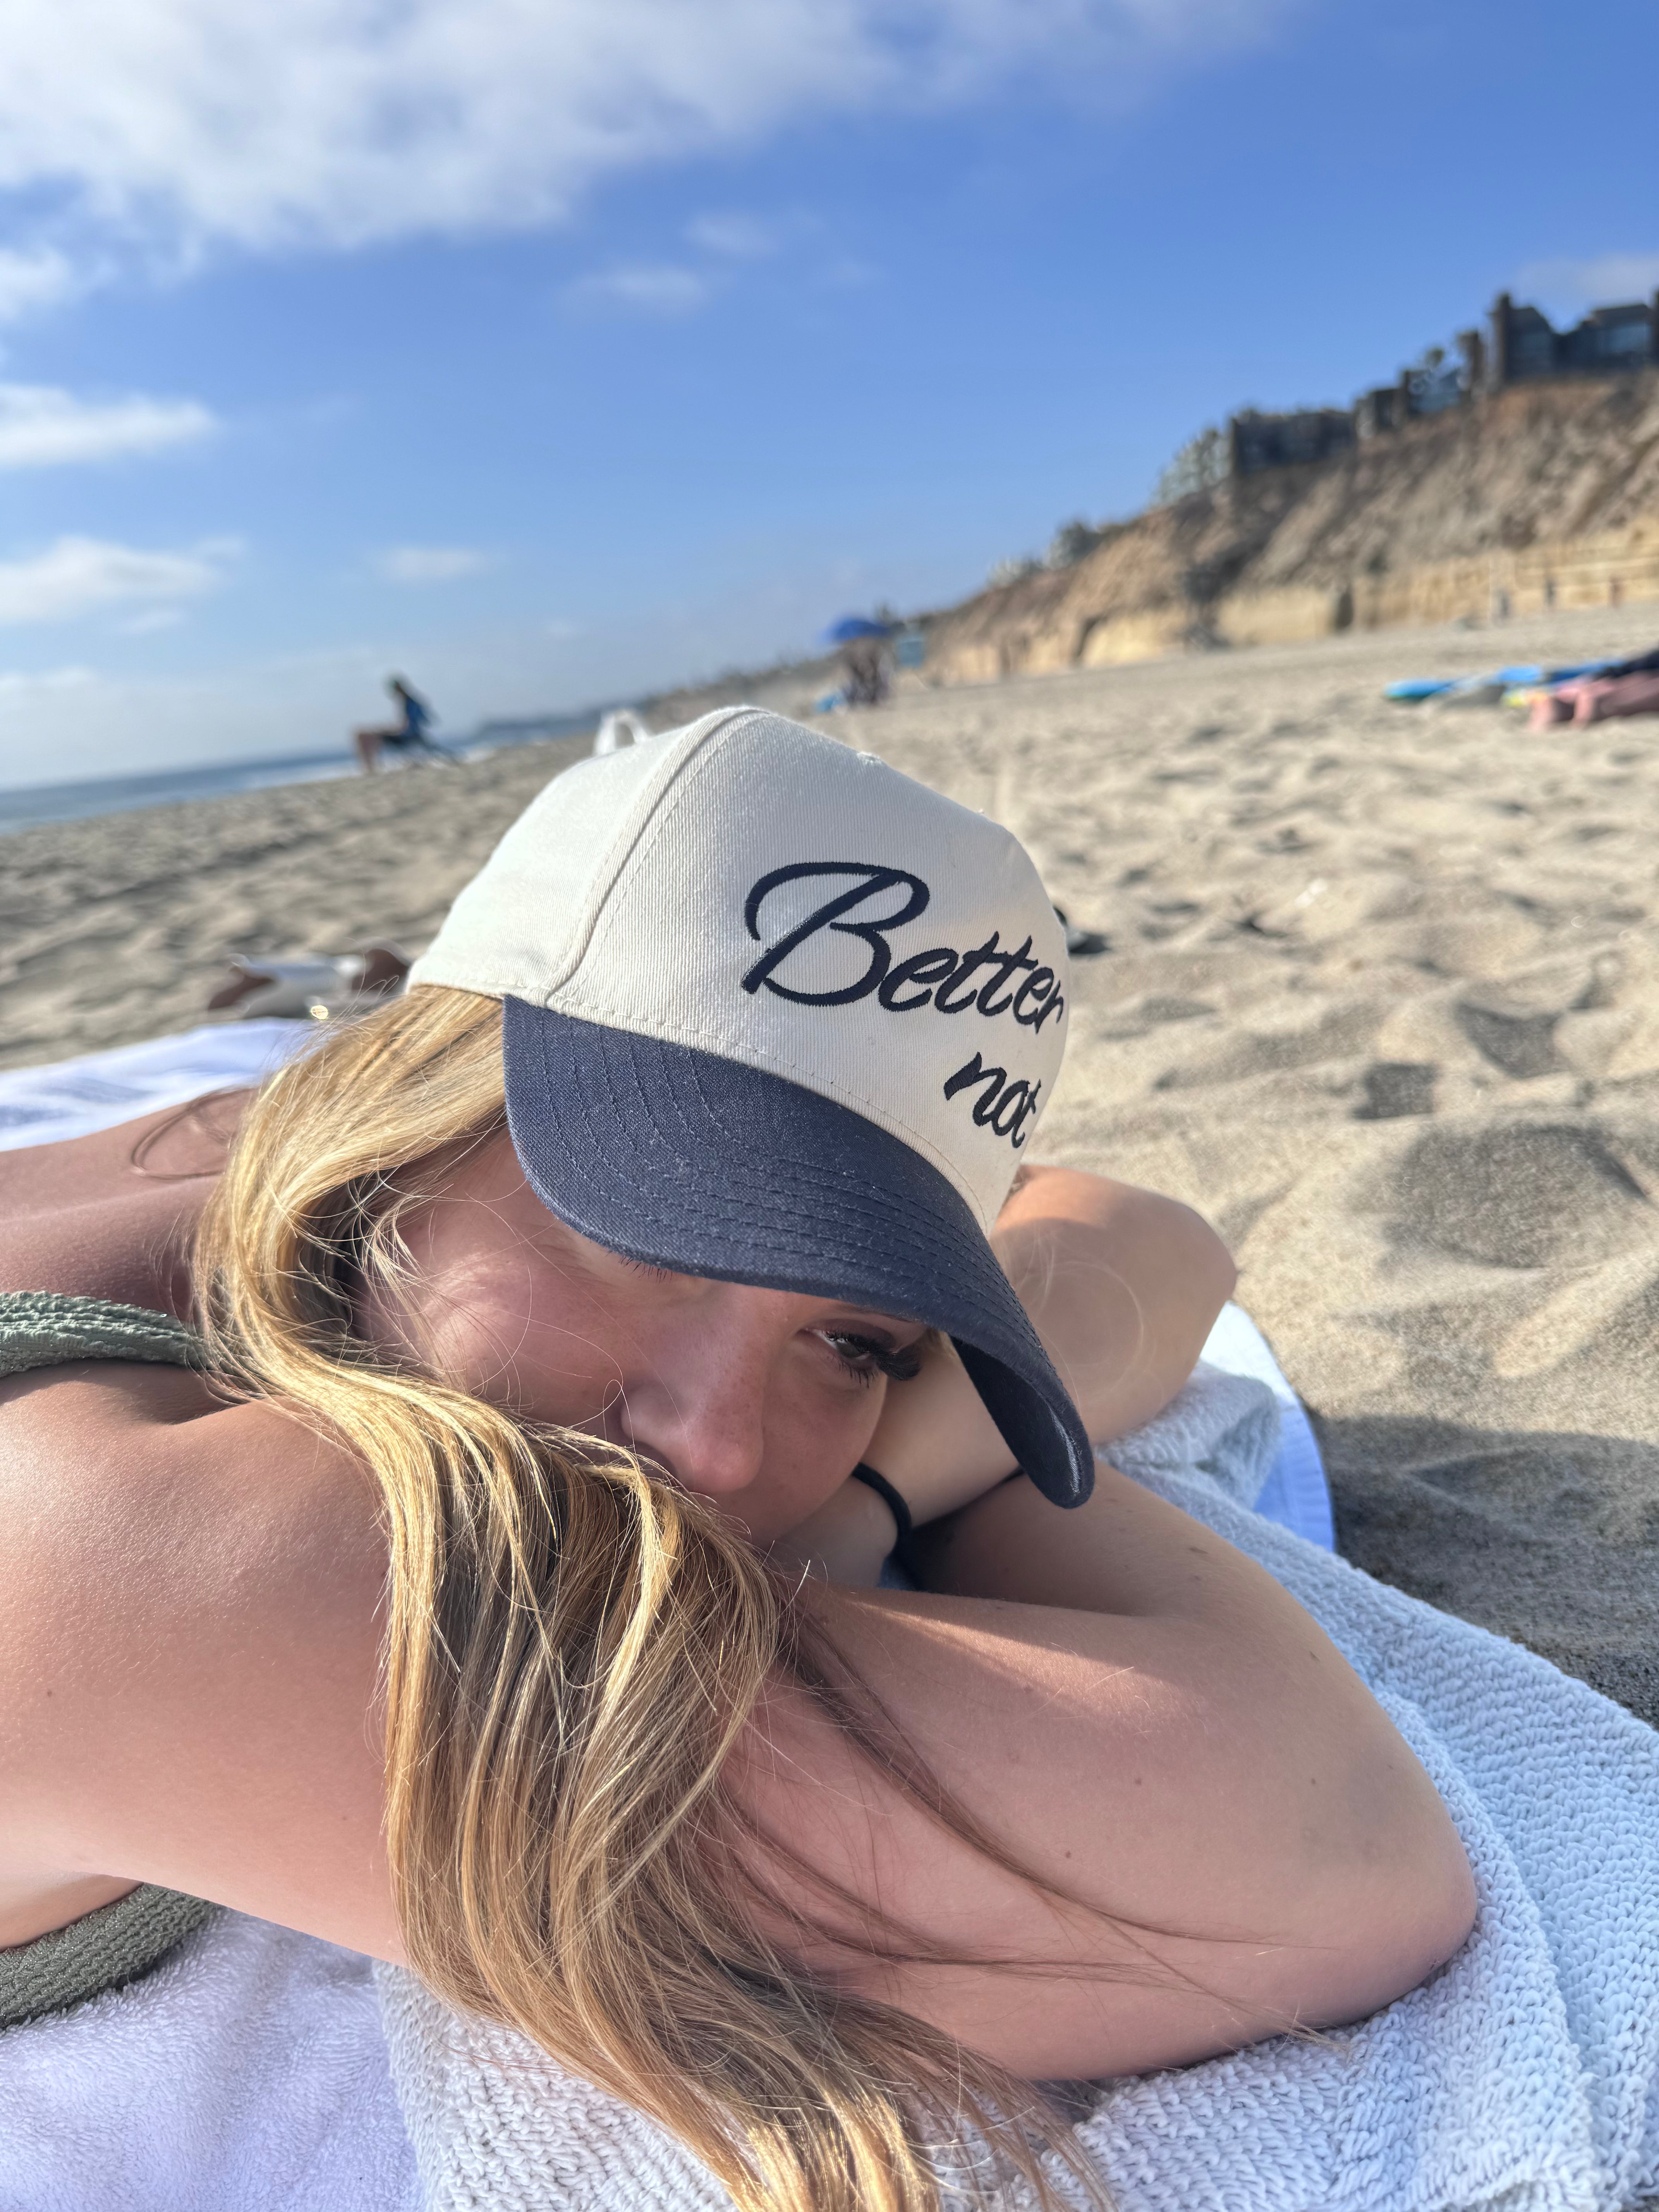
x=115 y=794
x=118 y=794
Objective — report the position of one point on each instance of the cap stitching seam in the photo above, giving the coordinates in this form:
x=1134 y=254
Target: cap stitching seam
x=598 y=899
x=699 y=760
x=847 y=1097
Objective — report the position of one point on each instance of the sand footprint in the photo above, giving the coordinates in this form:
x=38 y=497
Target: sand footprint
x=1576 y=1317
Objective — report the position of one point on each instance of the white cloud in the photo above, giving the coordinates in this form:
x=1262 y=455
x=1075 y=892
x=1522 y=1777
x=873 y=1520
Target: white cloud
x=37 y=279
x=430 y=565
x=77 y=576
x=738 y=237
x=177 y=122
x=1605 y=280
x=41 y=427
x=645 y=287
x=15 y=681
x=148 y=620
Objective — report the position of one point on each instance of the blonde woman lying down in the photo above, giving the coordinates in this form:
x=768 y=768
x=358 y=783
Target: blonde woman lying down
x=574 y=1334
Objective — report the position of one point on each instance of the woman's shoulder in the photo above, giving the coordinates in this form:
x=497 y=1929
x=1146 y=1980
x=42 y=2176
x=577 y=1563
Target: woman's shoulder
x=190 y=1620
x=132 y=1482
x=119 y=1434
x=87 y=1416
x=111 y=1215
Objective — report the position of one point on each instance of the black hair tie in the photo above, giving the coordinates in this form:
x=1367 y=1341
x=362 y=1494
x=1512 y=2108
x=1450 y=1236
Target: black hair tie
x=890 y=1497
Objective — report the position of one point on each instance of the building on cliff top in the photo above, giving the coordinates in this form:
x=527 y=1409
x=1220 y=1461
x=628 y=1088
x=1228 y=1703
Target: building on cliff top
x=1520 y=345
x=1525 y=345
x=1257 y=441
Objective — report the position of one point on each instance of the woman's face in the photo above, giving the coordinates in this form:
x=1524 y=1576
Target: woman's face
x=760 y=1401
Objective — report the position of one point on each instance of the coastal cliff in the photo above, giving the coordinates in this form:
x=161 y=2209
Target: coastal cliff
x=1544 y=494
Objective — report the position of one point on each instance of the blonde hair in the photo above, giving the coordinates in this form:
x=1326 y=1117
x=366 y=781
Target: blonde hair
x=574 y=1651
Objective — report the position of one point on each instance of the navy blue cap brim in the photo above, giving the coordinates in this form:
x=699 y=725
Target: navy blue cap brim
x=687 y=1160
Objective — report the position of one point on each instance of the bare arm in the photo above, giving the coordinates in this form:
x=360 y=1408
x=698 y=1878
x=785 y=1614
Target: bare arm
x=188 y=1652
x=1259 y=1847
x=1123 y=1285
x=188 y=1647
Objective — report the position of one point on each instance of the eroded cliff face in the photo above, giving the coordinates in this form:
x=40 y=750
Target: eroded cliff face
x=1547 y=490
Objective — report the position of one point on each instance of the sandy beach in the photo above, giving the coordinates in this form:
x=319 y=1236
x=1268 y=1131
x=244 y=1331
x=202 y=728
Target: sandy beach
x=1380 y=998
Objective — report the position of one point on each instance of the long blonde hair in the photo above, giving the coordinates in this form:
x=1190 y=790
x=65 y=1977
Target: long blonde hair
x=574 y=1651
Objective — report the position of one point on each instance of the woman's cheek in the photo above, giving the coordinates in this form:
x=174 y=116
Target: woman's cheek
x=809 y=1458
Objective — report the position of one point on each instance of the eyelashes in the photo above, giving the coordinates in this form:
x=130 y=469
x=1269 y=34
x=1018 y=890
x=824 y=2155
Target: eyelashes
x=866 y=1356
x=862 y=1357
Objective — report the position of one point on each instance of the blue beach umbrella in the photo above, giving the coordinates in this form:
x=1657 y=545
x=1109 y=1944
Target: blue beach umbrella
x=852 y=626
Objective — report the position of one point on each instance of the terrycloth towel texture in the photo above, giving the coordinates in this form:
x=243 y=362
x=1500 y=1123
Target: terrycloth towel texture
x=1222 y=1426
x=246 y=2074
x=1525 y=2075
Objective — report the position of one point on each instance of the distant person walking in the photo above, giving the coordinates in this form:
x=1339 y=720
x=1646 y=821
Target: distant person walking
x=409 y=736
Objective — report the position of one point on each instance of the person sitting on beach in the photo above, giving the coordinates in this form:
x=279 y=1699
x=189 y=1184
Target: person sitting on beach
x=563 y=1326
x=864 y=660
x=409 y=736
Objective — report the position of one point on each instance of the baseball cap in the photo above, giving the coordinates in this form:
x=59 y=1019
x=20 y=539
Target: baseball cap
x=775 y=1013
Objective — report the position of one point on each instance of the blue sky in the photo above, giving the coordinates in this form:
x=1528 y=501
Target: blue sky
x=552 y=354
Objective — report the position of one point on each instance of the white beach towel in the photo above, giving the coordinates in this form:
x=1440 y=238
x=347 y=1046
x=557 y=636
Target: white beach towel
x=246 y=2074
x=73 y=1097
x=1295 y=1494
x=1524 y=2077
x=1224 y=1426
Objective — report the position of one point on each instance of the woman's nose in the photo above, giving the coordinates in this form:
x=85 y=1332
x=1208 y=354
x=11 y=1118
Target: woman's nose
x=704 y=1416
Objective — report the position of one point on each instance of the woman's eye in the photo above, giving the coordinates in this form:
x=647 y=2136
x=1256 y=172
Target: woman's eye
x=645 y=1267
x=866 y=1356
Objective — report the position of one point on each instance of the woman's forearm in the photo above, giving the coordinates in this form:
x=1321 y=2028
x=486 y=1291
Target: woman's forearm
x=1124 y=1286
x=1125 y=1551
x=1248 y=1842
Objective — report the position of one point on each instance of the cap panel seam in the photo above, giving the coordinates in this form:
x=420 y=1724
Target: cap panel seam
x=535 y=991
x=622 y=846
x=698 y=761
